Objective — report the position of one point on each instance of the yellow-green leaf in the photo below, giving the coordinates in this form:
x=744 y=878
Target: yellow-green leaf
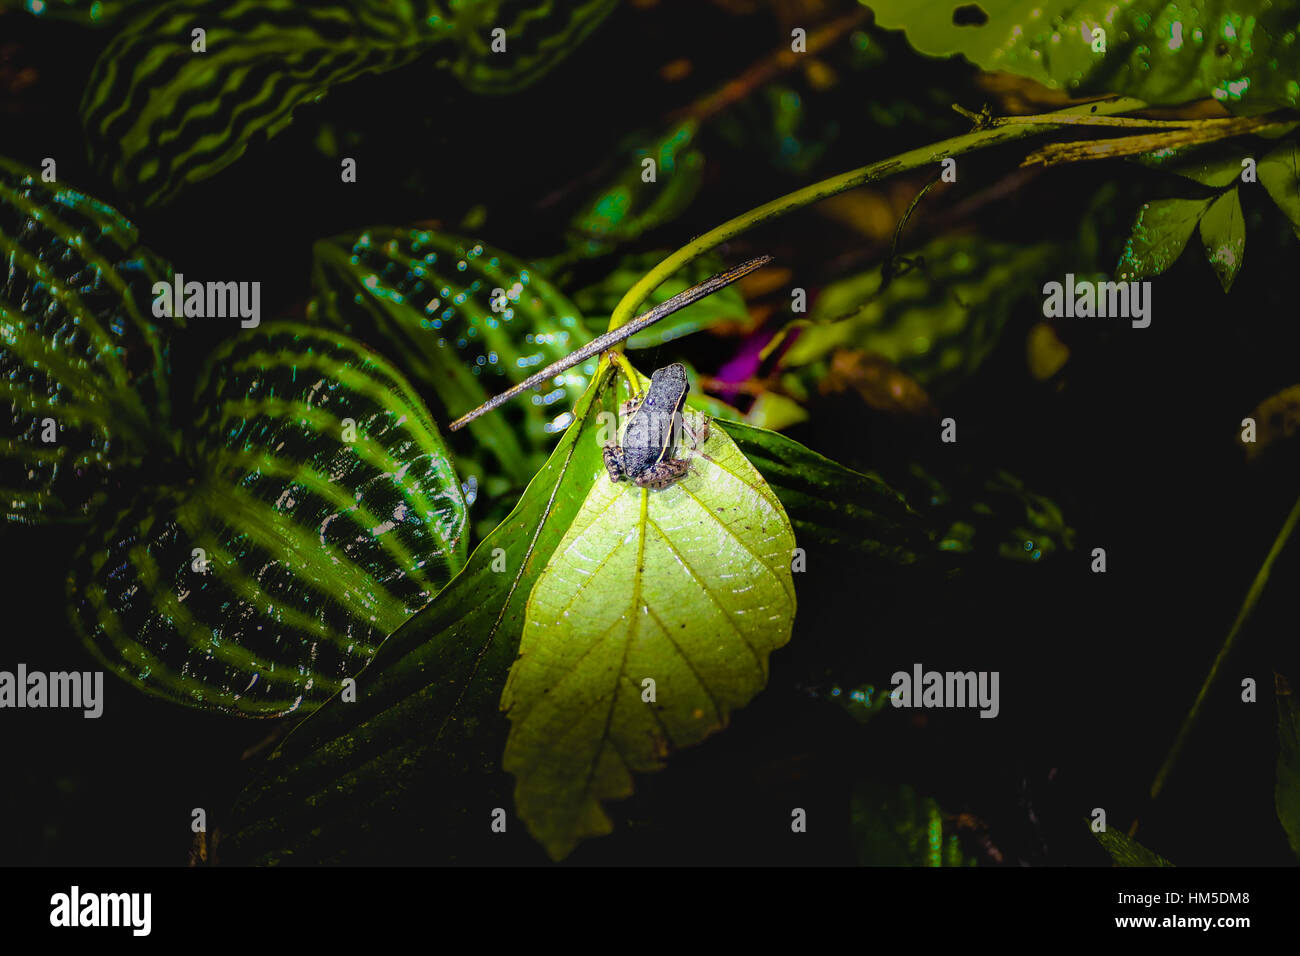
x=1240 y=52
x=689 y=587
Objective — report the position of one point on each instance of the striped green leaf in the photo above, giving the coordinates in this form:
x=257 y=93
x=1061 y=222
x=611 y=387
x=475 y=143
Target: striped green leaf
x=539 y=33
x=160 y=115
x=404 y=773
x=80 y=358
x=836 y=513
x=937 y=321
x=321 y=512
x=428 y=300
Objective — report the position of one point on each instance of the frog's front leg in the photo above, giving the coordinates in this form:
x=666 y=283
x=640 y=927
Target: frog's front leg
x=663 y=474
x=697 y=436
x=614 y=463
x=626 y=409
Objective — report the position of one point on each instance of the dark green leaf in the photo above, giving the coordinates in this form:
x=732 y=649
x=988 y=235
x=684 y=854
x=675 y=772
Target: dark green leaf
x=862 y=703
x=78 y=347
x=160 y=115
x=539 y=34
x=1223 y=231
x=1126 y=851
x=830 y=506
x=1216 y=165
x=325 y=510
x=775 y=126
x=628 y=206
x=894 y=826
x=988 y=515
x=405 y=771
x=431 y=302
x=1159 y=235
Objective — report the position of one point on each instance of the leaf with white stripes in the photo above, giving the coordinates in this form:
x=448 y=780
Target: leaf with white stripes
x=161 y=114
x=652 y=621
x=464 y=320
x=83 y=392
x=321 y=512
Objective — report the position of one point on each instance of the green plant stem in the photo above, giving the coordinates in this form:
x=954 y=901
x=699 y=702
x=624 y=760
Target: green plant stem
x=1054 y=154
x=992 y=133
x=1243 y=615
x=1122 y=122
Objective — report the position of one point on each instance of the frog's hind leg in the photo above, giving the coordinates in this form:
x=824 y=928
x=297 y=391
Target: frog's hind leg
x=663 y=474
x=614 y=462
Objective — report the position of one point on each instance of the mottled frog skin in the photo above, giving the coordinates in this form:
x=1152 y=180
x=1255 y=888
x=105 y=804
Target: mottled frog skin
x=645 y=458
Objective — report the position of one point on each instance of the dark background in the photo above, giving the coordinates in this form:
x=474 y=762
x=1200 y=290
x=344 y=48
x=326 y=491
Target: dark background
x=1135 y=441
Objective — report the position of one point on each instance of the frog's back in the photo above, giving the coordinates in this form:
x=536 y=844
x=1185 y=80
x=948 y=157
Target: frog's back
x=650 y=431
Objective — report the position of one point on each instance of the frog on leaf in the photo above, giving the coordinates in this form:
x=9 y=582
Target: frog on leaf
x=645 y=456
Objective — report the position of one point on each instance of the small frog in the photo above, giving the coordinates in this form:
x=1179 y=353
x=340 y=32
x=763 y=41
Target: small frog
x=645 y=458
